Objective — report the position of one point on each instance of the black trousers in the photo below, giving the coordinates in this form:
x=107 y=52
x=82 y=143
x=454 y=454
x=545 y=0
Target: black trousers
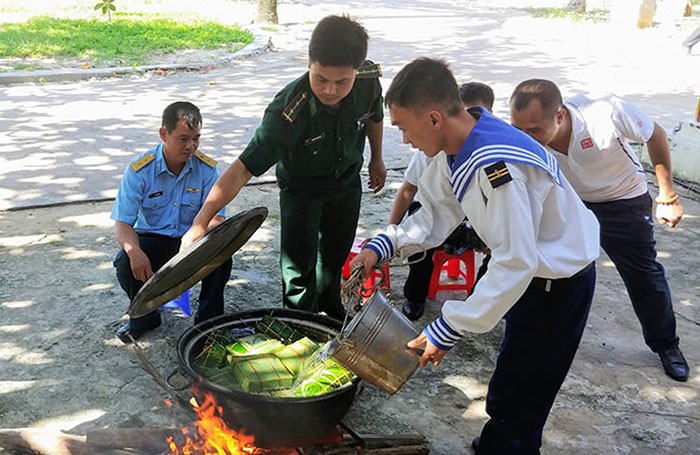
x=543 y=331
x=627 y=236
x=159 y=250
x=417 y=283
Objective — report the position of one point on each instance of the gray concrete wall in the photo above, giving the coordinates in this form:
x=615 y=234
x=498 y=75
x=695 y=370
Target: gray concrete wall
x=684 y=141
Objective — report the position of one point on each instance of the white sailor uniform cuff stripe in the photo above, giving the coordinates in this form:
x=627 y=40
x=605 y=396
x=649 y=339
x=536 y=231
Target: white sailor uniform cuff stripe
x=382 y=246
x=442 y=335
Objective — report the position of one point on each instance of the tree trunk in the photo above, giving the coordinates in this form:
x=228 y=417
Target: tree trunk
x=576 y=5
x=647 y=9
x=267 y=12
x=633 y=13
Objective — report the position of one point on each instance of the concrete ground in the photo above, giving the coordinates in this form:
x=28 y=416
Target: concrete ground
x=69 y=141
x=76 y=138
x=63 y=369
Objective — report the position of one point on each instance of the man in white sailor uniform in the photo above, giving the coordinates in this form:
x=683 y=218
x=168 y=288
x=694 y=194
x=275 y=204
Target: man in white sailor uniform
x=159 y=195
x=588 y=137
x=543 y=243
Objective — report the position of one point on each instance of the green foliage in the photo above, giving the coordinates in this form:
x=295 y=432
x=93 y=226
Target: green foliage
x=126 y=39
x=597 y=15
x=107 y=6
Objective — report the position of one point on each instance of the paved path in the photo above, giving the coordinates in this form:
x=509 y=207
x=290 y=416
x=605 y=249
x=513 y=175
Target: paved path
x=71 y=141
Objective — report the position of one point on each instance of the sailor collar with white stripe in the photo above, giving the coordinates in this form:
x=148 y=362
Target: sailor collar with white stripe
x=493 y=140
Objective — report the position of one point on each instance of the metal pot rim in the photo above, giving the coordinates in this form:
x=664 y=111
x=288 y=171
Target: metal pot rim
x=189 y=337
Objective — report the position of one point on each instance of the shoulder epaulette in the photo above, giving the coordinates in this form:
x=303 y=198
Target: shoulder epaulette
x=206 y=159
x=498 y=174
x=141 y=162
x=293 y=108
x=369 y=70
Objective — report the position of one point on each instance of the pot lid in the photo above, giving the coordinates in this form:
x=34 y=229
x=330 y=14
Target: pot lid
x=197 y=261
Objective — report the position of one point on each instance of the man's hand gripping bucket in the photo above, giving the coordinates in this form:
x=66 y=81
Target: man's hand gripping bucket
x=373 y=343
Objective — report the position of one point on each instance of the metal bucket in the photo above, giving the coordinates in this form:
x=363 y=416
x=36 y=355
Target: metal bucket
x=373 y=345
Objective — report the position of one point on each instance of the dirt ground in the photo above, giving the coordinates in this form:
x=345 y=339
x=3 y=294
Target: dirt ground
x=63 y=369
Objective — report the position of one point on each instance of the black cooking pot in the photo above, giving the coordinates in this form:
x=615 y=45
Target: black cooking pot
x=275 y=422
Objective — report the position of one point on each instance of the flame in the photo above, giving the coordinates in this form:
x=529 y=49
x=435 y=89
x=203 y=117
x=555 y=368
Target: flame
x=213 y=436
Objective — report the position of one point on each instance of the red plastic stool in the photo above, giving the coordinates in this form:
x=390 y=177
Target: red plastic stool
x=453 y=266
x=376 y=275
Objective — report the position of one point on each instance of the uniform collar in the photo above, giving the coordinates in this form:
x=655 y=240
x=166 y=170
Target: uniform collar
x=577 y=124
x=162 y=166
x=316 y=107
x=493 y=140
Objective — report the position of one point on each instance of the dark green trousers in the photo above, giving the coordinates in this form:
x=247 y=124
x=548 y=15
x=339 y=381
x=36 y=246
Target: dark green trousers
x=317 y=232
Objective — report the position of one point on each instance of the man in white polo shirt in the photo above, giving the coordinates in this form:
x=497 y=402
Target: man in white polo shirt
x=589 y=137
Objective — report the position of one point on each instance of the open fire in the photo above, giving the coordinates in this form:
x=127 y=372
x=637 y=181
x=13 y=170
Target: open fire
x=213 y=436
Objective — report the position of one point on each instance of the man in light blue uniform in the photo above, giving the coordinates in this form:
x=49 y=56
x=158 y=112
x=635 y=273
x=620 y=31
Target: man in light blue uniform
x=160 y=193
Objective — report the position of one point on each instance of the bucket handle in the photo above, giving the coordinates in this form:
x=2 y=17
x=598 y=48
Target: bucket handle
x=402 y=258
x=178 y=388
x=356 y=286
x=349 y=293
x=181 y=399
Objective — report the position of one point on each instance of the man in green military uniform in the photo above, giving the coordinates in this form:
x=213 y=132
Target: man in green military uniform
x=314 y=131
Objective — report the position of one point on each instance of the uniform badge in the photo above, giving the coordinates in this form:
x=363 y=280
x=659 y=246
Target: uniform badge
x=142 y=162
x=498 y=174
x=586 y=143
x=206 y=159
x=369 y=70
x=313 y=140
x=362 y=120
x=156 y=194
x=193 y=190
x=293 y=108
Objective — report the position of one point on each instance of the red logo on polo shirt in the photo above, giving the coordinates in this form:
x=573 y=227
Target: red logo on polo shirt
x=586 y=143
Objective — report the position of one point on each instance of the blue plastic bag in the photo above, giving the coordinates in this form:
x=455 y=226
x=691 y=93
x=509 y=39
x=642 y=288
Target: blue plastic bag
x=180 y=303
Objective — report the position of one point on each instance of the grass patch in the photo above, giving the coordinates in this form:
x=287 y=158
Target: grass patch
x=596 y=15
x=128 y=39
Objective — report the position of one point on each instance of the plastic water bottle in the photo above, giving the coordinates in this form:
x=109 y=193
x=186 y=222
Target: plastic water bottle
x=180 y=303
